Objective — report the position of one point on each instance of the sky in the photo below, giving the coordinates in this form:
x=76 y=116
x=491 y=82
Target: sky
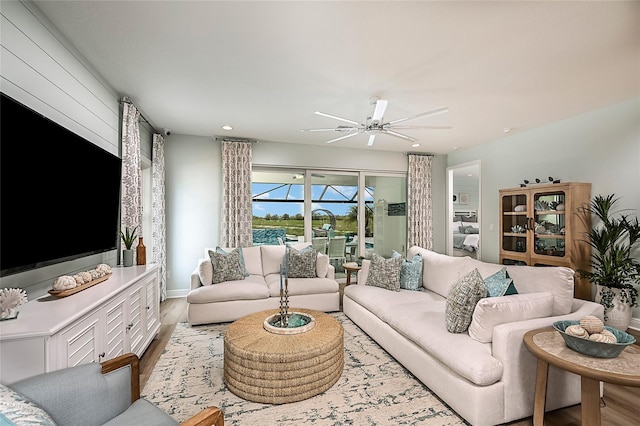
x=296 y=192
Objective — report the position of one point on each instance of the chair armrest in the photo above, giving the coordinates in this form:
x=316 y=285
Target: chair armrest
x=207 y=417
x=131 y=360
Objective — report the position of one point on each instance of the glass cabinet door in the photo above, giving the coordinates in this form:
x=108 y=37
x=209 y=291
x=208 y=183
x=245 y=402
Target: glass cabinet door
x=514 y=222
x=549 y=223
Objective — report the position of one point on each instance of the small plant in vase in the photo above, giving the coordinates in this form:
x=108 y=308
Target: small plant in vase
x=615 y=269
x=128 y=238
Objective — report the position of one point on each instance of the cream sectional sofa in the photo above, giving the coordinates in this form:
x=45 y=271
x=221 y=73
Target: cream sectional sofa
x=485 y=374
x=260 y=290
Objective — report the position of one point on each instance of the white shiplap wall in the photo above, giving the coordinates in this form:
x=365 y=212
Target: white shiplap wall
x=41 y=69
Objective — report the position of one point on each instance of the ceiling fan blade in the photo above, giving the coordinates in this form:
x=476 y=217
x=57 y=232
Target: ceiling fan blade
x=398 y=135
x=378 y=111
x=417 y=127
x=424 y=114
x=372 y=138
x=343 y=137
x=337 y=118
x=332 y=129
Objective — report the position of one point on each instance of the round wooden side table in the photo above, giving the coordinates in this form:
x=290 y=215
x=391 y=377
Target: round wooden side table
x=549 y=347
x=350 y=267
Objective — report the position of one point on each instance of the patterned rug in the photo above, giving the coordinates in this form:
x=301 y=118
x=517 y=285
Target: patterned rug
x=374 y=389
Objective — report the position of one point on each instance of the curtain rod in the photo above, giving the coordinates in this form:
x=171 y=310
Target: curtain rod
x=125 y=99
x=232 y=139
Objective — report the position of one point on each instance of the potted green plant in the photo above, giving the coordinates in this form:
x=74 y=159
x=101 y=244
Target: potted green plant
x=128 y=238
x=614 y=238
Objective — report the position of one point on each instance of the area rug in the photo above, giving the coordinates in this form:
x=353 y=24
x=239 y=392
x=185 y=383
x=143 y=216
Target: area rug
x=374 y=389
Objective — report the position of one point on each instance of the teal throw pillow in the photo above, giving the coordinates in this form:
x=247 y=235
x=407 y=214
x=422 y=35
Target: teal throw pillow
x=410 y=271
x=226 y=266
x=242 y=264
x=500 y=284
x=384 y=273
x=462 y=300
x=471 y=230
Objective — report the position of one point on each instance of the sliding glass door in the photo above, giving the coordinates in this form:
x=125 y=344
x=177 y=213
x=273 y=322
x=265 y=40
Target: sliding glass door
x=345 y=214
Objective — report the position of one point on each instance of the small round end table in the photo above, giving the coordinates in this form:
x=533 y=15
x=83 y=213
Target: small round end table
x=350 y=267
x=549 y=347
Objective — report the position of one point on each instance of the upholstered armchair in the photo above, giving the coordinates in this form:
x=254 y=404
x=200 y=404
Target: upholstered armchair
x=102 y=394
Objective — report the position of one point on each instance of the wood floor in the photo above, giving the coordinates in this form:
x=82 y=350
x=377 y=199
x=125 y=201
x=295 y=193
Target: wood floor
x=621 y=404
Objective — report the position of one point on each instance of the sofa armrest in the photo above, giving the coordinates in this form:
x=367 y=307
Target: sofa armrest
x=507 y=336
x=195 y=279
x=363 y=273
x=331 y=272
x=207 y=417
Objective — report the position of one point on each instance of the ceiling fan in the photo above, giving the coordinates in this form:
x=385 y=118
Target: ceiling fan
x=375 y=124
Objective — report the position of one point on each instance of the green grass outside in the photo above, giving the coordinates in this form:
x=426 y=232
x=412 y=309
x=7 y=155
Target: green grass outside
x=296 y=226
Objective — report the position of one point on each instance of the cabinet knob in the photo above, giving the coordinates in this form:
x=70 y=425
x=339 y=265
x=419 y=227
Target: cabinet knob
x=148 y=307
x=130 y=326
x=101 y=355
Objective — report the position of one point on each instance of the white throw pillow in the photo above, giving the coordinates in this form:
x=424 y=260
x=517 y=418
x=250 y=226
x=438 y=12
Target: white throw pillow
x=205 y=271
x=322 y=265
x=493 y=311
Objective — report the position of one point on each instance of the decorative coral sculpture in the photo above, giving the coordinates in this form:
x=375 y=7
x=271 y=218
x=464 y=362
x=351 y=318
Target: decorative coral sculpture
x=10 y=299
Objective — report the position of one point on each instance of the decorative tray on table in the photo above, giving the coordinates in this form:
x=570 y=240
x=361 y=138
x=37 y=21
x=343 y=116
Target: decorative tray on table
x=69 y=292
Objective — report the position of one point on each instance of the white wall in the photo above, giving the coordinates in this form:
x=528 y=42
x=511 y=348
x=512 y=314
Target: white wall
x=193 y=190
x=39 y=68
x=601 y=147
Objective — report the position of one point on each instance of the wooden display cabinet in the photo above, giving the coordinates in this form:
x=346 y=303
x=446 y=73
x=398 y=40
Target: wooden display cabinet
x=543 y=225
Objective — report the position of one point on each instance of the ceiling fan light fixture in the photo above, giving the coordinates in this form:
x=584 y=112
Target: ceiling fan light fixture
x=415 y=145
x=227 y=127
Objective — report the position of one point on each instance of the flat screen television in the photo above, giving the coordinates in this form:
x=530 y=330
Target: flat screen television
x=59 y=193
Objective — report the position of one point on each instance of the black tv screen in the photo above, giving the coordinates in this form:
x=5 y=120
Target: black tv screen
x=60 y=193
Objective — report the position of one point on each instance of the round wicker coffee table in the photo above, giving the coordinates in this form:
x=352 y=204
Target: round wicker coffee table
x=280 y=368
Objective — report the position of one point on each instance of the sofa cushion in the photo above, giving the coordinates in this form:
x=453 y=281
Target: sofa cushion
x=500 y=284
x=439 y=271
x=205 y=271
x=226 y=266
x=17 y=409
x=462 y=300
x=384 y=273
x=410 y=271
x=250 y=255
x=249 y=288
x=142 y=412
x=466 y=357
x=383 y=303
x=273 y=256
x=299 y=286
x=556 y=280
x=493 y=311
x=302 y=264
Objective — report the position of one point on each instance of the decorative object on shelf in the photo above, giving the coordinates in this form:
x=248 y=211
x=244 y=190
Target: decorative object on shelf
x=141 y=253
x=614 y=237
x=128 y=238
x=518 y=229
x=520 y=208
x=10 y=299
x=541 y=205
x=560 y=207
x=537 y=180
x=67 y=285
x=600 y=345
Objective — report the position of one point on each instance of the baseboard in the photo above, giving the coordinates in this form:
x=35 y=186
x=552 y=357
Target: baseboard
x=174 y=294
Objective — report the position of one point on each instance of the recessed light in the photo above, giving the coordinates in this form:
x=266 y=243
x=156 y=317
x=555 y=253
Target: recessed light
x=507 y=130
x=415 y=145
x=227 y=127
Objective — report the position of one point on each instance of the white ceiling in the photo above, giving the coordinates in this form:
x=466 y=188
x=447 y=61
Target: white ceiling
x=264 y=67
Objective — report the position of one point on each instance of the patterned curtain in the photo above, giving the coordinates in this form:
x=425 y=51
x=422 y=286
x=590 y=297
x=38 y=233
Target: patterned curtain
x=131 y=204
x=419 y=202
x=236 y=194
x=158 y=206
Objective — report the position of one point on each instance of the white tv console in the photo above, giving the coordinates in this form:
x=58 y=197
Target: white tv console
x=117 y=316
